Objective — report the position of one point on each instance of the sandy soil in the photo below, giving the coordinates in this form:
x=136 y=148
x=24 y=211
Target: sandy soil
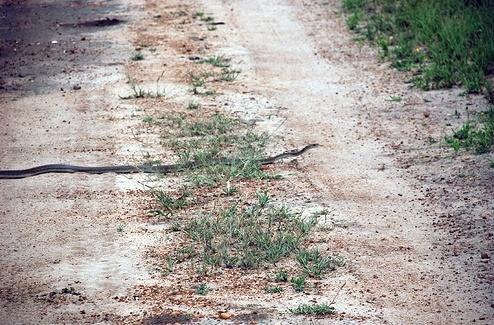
x=416 y=236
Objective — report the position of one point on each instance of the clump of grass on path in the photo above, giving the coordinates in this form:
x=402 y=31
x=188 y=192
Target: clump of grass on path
x=248 y=237
x=475 y=136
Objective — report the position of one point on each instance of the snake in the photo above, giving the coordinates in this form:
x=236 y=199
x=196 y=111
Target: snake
x=131 y=169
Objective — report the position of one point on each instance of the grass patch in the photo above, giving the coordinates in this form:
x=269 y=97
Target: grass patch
x=203 y=289
x=169 y=203
x=229 y=75
x=137 y=56
x=248 y=237
x=316 y=309
x=208 y=142
x=139 y=92
x=446 y=42
x=219 y=61
x=281 y=276
x=193 y=106
x=276 y=289
x=202 y=16
x=314 y=264
x=395 y=99
x=475 y=136
x=298 y=283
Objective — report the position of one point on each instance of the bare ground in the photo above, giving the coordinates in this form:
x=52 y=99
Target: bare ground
x=416 y=236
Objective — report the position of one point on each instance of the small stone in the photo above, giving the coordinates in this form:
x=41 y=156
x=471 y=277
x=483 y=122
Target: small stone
x=225 y=315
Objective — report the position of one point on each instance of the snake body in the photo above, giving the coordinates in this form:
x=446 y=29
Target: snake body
x=129 y=169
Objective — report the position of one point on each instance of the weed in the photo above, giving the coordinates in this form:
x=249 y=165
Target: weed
x=263 y=198
x=315 y=309
x=211 y=28
x=193 y=105
x=314 y=264
x=219 y=61
x=298 y=283
x=229 y=190
x=248 y=237
x=148 y=119
x=203 y=17
x=281 y=276
x=197 y=80
x=229 y=75
x=203 y=289
x=121 y=228
x=139 y=92
x=470 y=136
x=169 y=203
x=491 y=164
x=203 y=92
x=396 y=99
x=137 y=56
x=354 y=20
x=276 y=289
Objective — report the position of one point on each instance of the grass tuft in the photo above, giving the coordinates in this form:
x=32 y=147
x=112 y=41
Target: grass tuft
x=316 y=309
x=137 y=56
x=169 y=203
x=474 y=137
x=203 y=289
x=314 y=264
x=276 y=289
x=219 y=61
x=249 y=237
x=298 y=283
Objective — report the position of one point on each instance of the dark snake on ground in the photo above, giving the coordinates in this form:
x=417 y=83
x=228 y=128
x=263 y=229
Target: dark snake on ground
x=129 y=169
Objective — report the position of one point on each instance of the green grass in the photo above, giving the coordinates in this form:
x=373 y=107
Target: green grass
x=475 y=136
x=298 y=283
x=148 y=119
x=446 y=42
x=169 y=203
x=229 y=75
x=281 y=276
x=229 y=189
x=315 y=309
x=193 y=106
x=248 y=237
x=219 y=61
x=139 y=92
x=137 y=56
x=314 y=264
x=207 y=141
x=203 y=289
x=204 y=17
x=276 y=289
x=395 y=99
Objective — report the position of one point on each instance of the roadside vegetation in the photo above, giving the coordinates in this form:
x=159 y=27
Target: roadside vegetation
x=443 y=43
x=476 y=136
x=446 y=42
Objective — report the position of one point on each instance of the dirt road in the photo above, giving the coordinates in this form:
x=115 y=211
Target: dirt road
x=76 y=248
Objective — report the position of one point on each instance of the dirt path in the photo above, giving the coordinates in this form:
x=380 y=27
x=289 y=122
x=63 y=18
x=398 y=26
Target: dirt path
x=62 y=257
x=303 y=80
